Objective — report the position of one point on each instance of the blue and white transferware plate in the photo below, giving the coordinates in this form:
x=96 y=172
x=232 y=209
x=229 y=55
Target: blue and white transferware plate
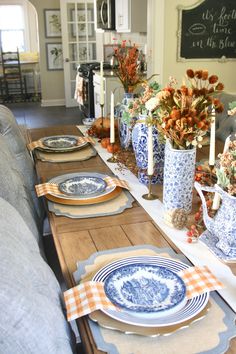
x=83 y=186
x=210 y=241
x=145 y=288
x=159 y=319
x=62 y=143
x=63 y=178
x=88 y=121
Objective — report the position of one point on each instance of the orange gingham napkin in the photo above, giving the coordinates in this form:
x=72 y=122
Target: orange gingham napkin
x=90 y=296
x=86 y=298
x=39 y=143
x=48 y=188
x=199 y=280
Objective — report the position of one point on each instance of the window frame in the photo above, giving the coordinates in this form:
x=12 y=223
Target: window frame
x=23 y=4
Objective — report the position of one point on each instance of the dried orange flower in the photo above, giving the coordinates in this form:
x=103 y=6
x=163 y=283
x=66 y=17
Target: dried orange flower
x=184 y=114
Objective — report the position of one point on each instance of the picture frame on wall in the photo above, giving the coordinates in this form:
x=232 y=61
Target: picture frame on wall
x=52 y=19
x=54 y=56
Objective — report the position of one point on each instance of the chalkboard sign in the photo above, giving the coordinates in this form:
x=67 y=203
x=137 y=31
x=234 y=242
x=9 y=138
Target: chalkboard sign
x=208 y=30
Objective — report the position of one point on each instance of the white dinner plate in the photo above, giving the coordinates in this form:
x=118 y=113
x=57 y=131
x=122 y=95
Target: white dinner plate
x=190 y=309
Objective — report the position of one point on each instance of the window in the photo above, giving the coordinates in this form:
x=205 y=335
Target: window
x=12 y=28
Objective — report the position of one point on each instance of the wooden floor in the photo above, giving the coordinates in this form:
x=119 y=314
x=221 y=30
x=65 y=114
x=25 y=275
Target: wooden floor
x=32 y=115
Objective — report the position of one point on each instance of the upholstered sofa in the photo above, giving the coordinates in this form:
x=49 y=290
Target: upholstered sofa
x=32 y=313
x=225 y=125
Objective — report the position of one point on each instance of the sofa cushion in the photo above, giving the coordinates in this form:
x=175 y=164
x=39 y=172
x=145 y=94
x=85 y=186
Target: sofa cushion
x=225 y=125
x=32 y=319
x=17 y=145
x=15 y=191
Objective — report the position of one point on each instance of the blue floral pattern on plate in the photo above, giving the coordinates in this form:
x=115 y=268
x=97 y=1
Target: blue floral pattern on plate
x=145 y=288
x=83 y=186
x=188 y=311
x=59 y=179
x=59 y=142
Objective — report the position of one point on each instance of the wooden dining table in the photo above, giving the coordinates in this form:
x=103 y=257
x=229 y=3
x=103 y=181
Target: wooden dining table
x=77 y=239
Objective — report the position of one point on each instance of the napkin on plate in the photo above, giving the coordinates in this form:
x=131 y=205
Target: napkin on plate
x=47 y=188
x=39 y=143
x=90 y=296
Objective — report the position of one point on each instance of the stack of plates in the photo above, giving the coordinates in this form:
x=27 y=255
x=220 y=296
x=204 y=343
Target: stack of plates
x=61 y=143
x=148 y=292
x=82 y=188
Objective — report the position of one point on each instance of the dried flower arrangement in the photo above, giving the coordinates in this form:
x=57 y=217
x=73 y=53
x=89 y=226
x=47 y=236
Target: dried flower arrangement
x=137 y=106
x=226 y=174
x=184 y=114
x=128 y=68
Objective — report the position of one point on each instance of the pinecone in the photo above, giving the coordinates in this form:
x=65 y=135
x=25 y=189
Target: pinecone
x=176 y=218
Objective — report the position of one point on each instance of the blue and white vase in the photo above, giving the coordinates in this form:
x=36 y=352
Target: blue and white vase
x=140 y=146
x=179 y=171
x=124 y=129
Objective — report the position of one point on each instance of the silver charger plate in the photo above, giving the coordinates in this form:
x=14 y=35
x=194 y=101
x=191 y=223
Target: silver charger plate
x=63 y=178
x=83 y=186
x=190 y=309
x=146 y=289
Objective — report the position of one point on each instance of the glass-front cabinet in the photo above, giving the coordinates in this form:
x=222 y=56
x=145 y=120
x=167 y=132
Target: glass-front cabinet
x=79 y=40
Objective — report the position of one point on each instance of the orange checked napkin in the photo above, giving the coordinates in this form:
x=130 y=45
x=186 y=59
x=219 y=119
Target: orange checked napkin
x=39 y=143
x=86 y=298
x=90 y=296
x=199 y=280
x=48 y=188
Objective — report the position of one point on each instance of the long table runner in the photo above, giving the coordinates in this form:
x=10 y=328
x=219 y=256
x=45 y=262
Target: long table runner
x=197 y=253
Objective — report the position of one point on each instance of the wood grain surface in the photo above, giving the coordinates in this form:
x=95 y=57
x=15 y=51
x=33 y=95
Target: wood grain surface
x=76 y=239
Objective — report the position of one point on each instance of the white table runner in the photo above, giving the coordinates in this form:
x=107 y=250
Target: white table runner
x=197 y=253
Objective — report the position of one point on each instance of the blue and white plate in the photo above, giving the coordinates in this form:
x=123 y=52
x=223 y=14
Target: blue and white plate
x=146 y=288
x=210 y=241
x=189 y=309
x=63 y=178
x=62 y=143
x=83 y=186
x=88 y=121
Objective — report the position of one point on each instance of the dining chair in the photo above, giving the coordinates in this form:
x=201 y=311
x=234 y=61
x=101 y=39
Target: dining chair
x=14 y=82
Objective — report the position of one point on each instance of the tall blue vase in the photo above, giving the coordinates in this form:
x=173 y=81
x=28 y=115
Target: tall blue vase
x=179 y=170
x=139 y=142
x=124 y=129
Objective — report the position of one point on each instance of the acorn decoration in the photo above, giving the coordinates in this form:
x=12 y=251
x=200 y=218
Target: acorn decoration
x=176 y=218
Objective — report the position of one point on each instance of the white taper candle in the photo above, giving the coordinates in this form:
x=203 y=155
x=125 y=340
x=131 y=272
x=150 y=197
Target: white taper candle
x=217 y=197
x=150 y=151
x=101 y=84
x=212 y=139
x=112 y=120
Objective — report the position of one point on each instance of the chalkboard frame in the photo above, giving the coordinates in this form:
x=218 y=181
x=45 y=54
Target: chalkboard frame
x=180 y=9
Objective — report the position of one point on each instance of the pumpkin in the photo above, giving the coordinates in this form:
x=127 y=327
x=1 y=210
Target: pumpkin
x=113 y=148
x=105 y=142
x=97 y=127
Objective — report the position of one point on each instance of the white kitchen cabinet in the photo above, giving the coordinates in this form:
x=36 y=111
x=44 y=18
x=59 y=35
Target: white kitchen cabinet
x=111 y=83
x=131 y=16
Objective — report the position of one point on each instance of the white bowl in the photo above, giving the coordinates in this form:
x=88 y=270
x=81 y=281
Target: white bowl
x=88 y=121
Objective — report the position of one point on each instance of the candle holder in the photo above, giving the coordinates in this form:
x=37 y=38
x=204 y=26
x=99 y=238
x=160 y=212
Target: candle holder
x=102 y=127
x=113 y=158
x=211 y=168
x=150 y=195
